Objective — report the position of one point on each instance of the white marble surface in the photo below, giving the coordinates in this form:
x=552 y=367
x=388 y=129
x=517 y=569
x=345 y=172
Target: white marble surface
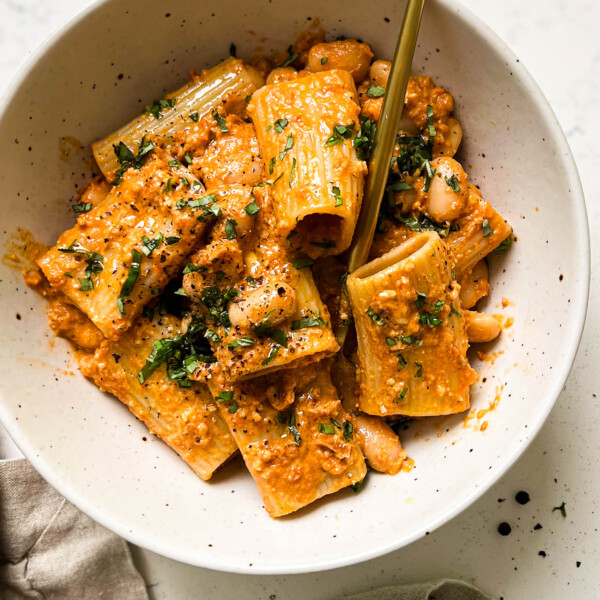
x=557 y=41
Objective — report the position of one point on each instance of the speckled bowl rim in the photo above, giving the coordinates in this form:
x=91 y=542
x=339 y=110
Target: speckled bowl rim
x=571 y=345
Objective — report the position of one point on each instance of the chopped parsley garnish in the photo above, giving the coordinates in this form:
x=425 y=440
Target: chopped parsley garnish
x=375 y=91
x=182 y=355
x=208 y=204
x=187 y=158
x=82 y=207
x=326 y=428
x=325 y=245
x=216 y=301
x=168 y=186
x=294 y=430
x=292 y=171
x=504 y=246
x=94 y=263
x=212 y=336
x=399 y=186
x=363 y=142
x=302 y=262
x=220 y=121
x=252 y=208
x=562 y=509
x=487 y=230
x=127 y=159
x=391 y=341
x=453 y=311
x=192 y=268
x=280 y=125
x=324 y=60
x=375 y=317
x=132 y=275
x=430 y=125
x=339 y=134
x=453 y=183
x=148 y=245
x=426 y=318
x=272 y=354
x=243 y=342
x=402 y=395
x=420 y=301
x=335 y=190
x=348 y=430
x=419 y=372
x=411 y=340
x=230 y=231
x=174 y=163
x=180 y=292
x=422 y=223
x=290 y=59
x=158 y=106
x=272 y=165
x=356 y=487
x=306 y=322
x=172 y=239
x=289 y=144
x=233 y=408
x=225 y=396
x=194 y=116
x=402 y=360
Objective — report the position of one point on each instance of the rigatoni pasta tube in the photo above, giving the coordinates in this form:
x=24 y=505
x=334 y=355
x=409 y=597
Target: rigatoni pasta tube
x=194 y=100
x=123 y=251
x=187 y=419
x=296 y=439
x=411 y=334
x=305 y=128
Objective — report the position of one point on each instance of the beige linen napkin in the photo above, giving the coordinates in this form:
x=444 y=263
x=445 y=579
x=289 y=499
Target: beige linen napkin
x=50 y=550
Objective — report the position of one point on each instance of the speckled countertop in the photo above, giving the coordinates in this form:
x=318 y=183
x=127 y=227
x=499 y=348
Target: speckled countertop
x=541 y=554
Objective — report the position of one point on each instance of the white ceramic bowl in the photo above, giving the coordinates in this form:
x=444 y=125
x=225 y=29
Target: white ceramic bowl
x=97 y=73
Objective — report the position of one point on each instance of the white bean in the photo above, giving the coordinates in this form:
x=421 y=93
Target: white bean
x=443 y=202
x=453 y=138
x=348 y=55
x=379 y=72
x=380 y=445
x=281 y=74
x=481 y=327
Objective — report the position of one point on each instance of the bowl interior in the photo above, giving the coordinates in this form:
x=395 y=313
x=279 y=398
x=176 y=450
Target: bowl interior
x=101 y=71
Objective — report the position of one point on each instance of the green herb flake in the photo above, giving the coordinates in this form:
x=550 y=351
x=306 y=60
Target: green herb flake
x=148 y=245
x=194 y=116
x=128 y=160
x=174 y=163
x=280 y=125
x=212 y=336
x=292 y=171
x=172 y=239
x=188 y=159
x=420 y=301
x=82 y=207
x=252 y=208
x=243 y=342
x=402 y=395
x=430 y=125
x=375 y=317
x=487 y=230
x=411 y=340
x=158 y=106
x=302 y=262
x=132 y=275
x=233 y=408
x=419 y=372
x=348 y=430
x=289 y=144
x=294 y=430
x=401 y=360
x=272 y=354
x=327 y=244
x=363 y=142
x=324 y=60
x=426 y=318
x=339 y=134
x=453 y=183
x=220 y=121
x=391 y=341
x=86 y=284
x=306 y=322
x=230 y=231
x=504 y=246
x=375 y=91
x=272 y=165
x=453 y=311
x=225 y=396
x=562 y=509
x=335 y=190
x=356 y=487
x=290 y=59
x=326 y=428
